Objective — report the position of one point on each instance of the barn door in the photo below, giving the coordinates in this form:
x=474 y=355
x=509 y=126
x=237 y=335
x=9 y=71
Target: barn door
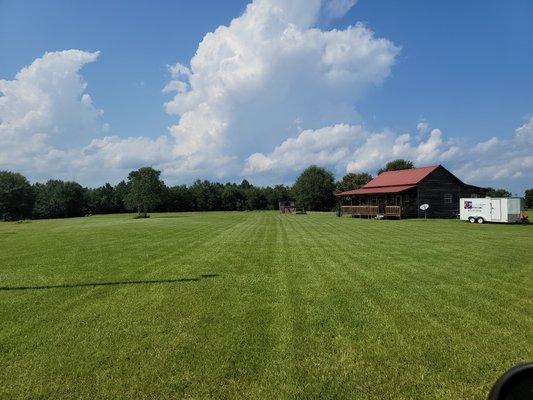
x=496 y=210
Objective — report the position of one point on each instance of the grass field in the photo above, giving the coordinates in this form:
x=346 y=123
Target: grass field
x=261 y=306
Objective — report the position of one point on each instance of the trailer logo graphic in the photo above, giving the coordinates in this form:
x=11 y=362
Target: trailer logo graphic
x=468 y=205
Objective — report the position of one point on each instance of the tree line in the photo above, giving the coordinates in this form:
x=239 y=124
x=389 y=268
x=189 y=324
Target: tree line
x=144 y=191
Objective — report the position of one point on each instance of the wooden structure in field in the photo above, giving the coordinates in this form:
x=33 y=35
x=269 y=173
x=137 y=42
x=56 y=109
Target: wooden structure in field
x=288 y=207
x=400 y=194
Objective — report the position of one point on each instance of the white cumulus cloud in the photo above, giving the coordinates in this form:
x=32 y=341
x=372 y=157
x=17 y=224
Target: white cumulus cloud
x=350 y=148
x=263 y=97
x=47 y=119
x=250 y=81
x=524 y=134
x=422 y=127
x=498 y=161
x=44 y=110
x=326 y=146
x=379 y=148
x=338 y=8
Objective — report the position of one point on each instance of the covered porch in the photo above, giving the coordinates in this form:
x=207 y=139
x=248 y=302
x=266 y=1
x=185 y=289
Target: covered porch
x=390 y=202
x=372 y=211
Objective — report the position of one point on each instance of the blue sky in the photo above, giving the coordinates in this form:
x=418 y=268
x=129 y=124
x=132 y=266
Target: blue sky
x=460 y=68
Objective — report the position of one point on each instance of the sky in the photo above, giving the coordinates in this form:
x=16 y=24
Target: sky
x=262 y=89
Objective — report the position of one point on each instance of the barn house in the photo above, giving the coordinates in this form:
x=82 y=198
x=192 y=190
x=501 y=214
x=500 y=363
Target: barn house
x=401 y=193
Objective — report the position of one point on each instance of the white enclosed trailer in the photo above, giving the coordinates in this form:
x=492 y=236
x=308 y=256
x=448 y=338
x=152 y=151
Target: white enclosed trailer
x=491 y=209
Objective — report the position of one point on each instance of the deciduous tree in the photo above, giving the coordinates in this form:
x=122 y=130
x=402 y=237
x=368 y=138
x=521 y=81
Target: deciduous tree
x=498 y=192
x=59 y=199
x=16 y=196
x=353 y=181
x=528 y=198
x=314 y=189
x=145 y=190
x=396 y=165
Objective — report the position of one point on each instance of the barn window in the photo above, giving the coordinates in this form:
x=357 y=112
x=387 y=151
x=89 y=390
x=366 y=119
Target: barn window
x=448 y=198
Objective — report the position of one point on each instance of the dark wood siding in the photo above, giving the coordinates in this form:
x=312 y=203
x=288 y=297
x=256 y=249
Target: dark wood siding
x=410 y=204
x=442 y=191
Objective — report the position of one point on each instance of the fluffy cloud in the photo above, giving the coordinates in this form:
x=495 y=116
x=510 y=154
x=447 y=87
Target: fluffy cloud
x=251 y=84
x=422 y=127
x=47 y=119
x=263 y=98
x=45 y=108
x=350 y=148
x=485 y=147
x=379 y=148
x=327 y=146
x=495 y=161
x=524 y=134
x=116 y=153
x=337 y=8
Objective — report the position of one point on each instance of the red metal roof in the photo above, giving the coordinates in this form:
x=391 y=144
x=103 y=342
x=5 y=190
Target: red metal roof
x=401 y=177
x=377 y=190
x=393 y=181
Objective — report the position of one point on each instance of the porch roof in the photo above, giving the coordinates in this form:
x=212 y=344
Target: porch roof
x=376 y=190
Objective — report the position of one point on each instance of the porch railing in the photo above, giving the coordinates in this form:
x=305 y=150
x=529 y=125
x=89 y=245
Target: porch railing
x=372 y=211
x=360 y=210
x=393 y=211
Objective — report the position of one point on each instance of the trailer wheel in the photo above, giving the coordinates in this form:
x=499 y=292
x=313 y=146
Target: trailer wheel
x=472 y=220
x=480 y=220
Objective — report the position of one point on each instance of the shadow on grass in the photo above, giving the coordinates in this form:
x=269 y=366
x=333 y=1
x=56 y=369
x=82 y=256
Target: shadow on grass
x=116 y=283
x=169 y=216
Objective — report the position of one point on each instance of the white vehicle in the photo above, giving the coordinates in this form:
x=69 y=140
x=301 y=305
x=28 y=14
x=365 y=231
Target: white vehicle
x=491 y=209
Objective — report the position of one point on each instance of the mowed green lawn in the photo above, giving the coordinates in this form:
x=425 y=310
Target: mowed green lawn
x=261 y=306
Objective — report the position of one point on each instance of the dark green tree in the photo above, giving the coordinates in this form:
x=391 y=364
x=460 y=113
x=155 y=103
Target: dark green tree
x=145 y=190
x=353 y=181
x=271 y=197
x=245 y=184
x=396 y=165
x=121 y=191
x=314 y=189
x=179 y=198
x=103 y=200
x=233 y=197
x=256 y=199
x=16 y=196
x=498 y=192
x=59 y=199
x=528 y=199
x=282 y=194
x=206 y=195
